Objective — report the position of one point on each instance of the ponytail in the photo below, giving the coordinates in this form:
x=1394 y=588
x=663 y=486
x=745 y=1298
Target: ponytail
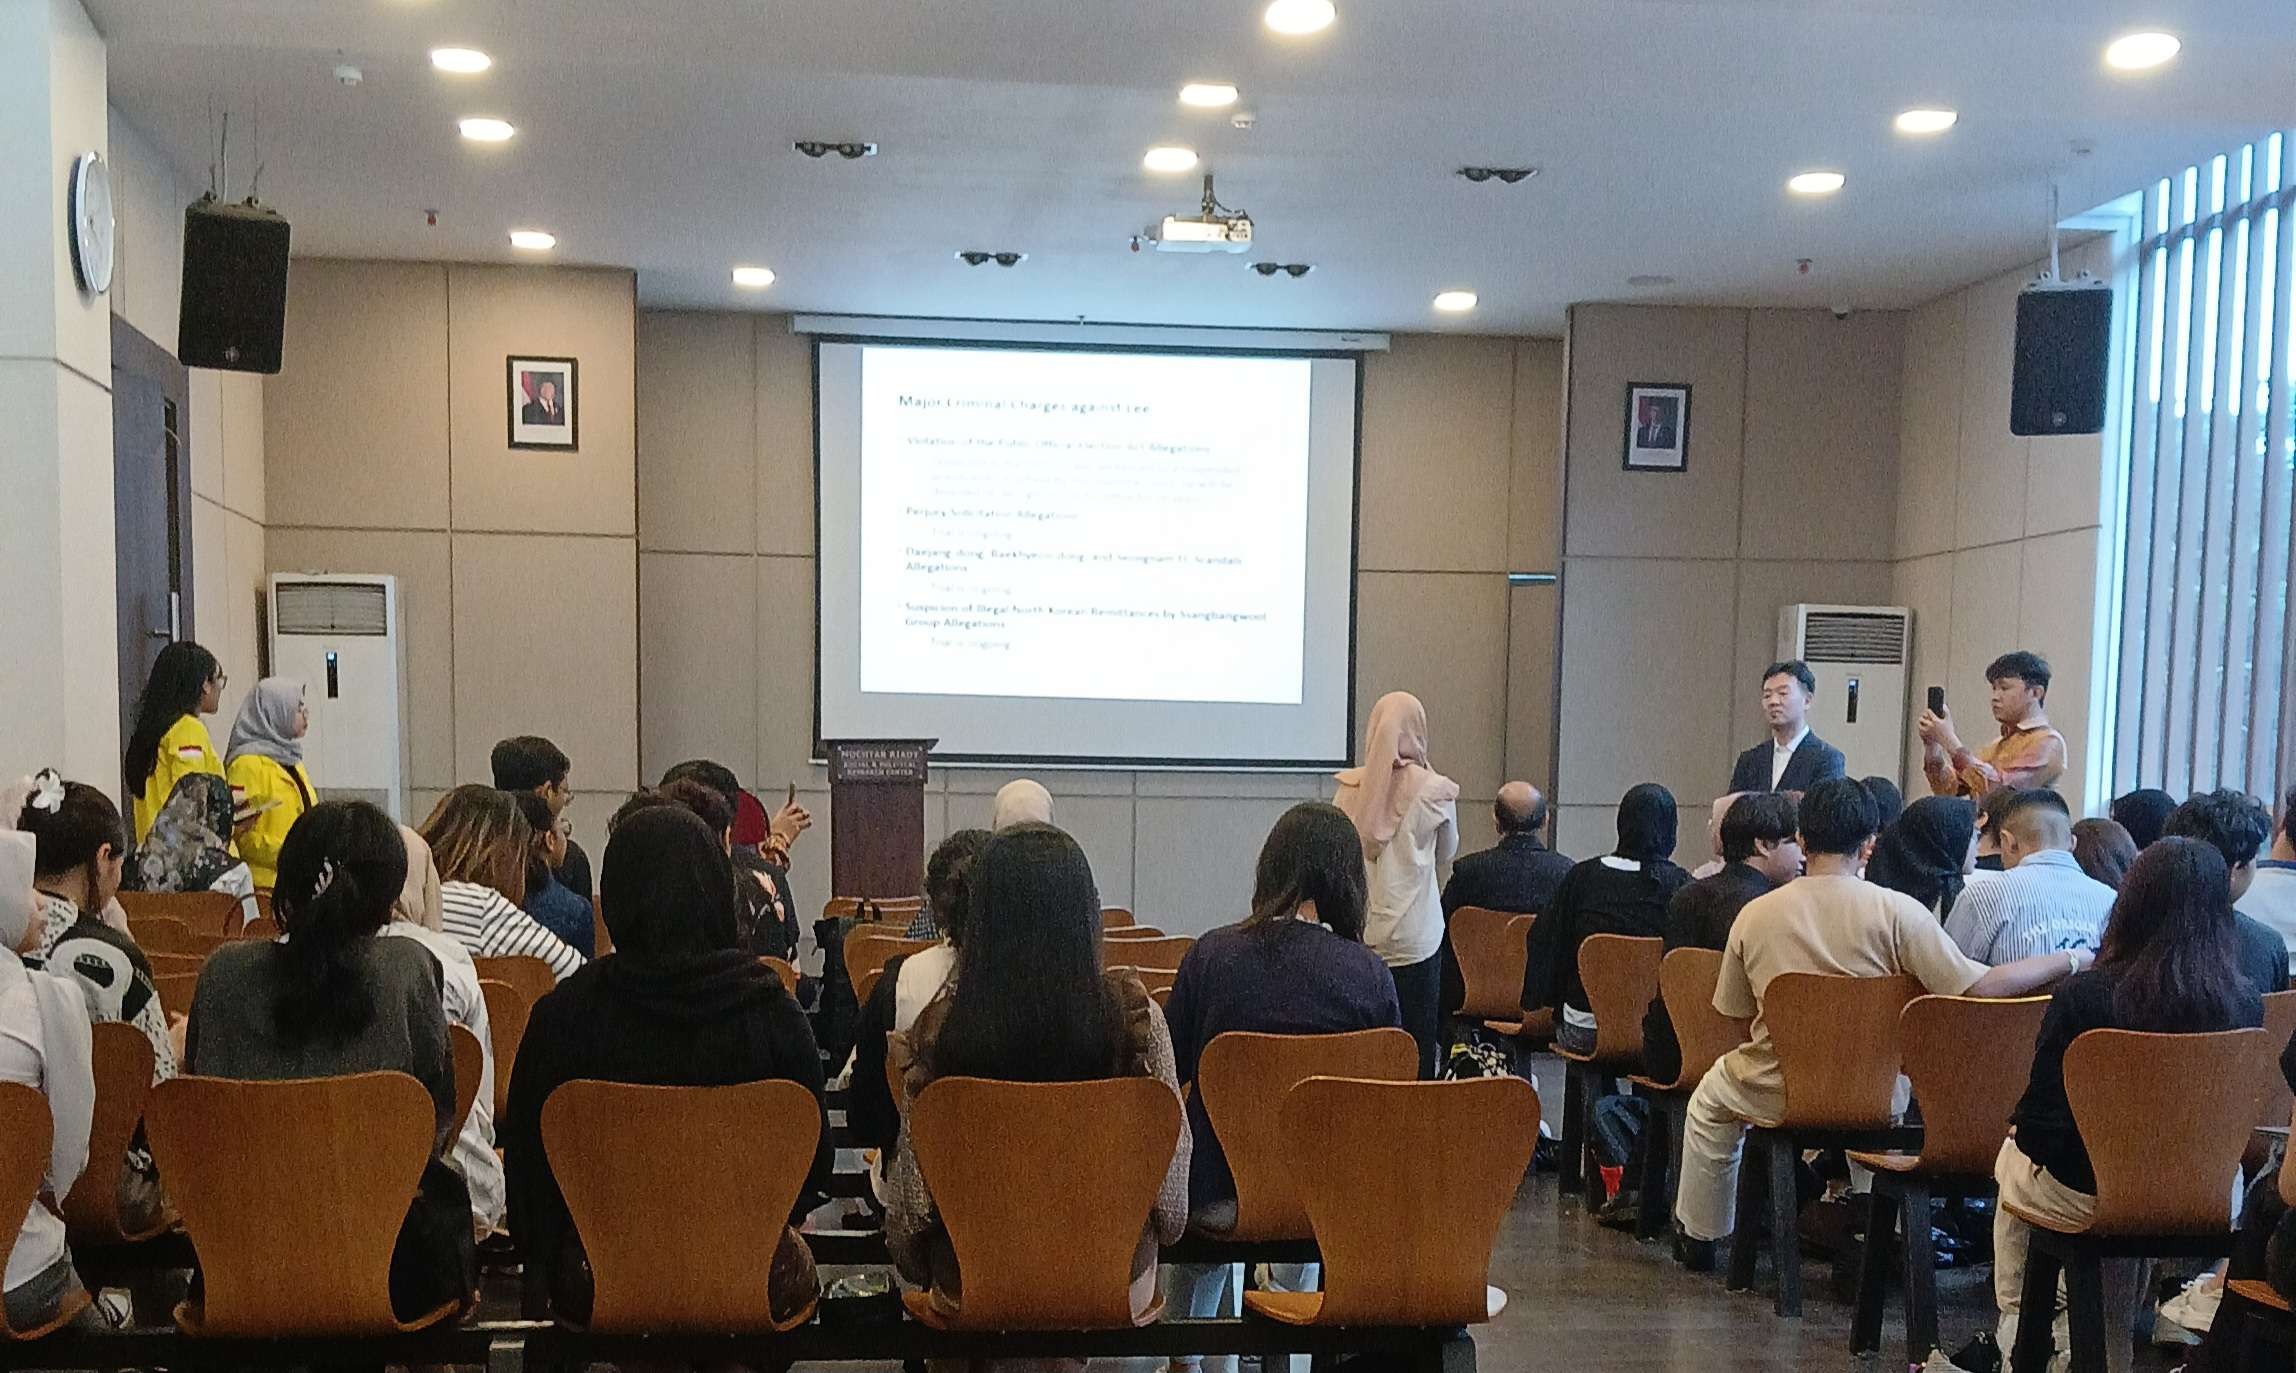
x=342 y=866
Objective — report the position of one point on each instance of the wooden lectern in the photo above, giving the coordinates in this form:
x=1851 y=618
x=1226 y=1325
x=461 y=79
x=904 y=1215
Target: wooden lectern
x=877 y=816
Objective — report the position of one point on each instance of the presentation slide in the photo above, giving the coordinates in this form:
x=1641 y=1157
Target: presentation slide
x=1087 y=556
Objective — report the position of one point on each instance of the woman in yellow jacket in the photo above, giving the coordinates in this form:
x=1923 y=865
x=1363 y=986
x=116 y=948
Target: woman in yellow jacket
x=266 y=770
x=169 y=743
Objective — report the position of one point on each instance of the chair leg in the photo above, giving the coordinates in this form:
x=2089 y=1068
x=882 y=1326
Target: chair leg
x=1753 y=1173
x=1597 y=1087
x=1785 y=1227
x=1920 y=1276
x=1570 y=1176
x=2085 y=1309
x=2036 y=1313
x=1873 y=1273
x=1654 y=1200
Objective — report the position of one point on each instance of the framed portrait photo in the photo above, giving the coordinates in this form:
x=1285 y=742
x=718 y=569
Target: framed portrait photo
x=543 y=404
x=1657 y=427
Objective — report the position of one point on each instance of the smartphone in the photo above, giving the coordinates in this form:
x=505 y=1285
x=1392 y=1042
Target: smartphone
x=1937 y=700
x=793 y=790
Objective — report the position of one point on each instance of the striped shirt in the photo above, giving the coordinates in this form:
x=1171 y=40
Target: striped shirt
x=490 y=927
x=2045 y=904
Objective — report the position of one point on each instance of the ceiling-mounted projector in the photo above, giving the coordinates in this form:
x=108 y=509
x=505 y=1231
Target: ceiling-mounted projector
x=1215 y=229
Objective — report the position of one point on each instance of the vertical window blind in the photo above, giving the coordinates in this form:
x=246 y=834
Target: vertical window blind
x=2203 y=694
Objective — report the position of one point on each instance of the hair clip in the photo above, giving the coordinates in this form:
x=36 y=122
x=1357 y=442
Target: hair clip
x=326 y=878
x=47 y=791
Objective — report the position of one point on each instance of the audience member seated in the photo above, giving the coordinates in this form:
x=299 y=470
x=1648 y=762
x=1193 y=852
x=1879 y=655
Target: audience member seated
x=1888 y=801
x=1991 y=811
x=1033 y=1005
x=1761 y=851
x=1518 y=874
x=1715 y=815
x=552 y=905
x=2167 y=967
x=417 y=915
x=2103 y=849
x=169 y=741
x=1793 y=758
x=1407 y=815
x=532 y=763
x=1828 y=921
x=189 y=846
x=45 y=1044
x=266 y=772
x=1625 y=892
x=2142 y=813
x=770 y=926
x=1928 y=853
x=79 y=836
x=2271 y=896
x=2042 y=902
x=482 y=845
x=676 y=1004
x=2237 y=825
x=331 y=999
x=1020 y=802
x=2025 y=753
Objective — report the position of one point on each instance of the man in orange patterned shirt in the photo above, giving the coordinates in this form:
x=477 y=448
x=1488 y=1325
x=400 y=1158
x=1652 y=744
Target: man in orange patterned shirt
x=2027 y=753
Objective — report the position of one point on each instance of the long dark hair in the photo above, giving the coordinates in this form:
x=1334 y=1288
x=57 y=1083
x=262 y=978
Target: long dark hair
x=1030 y=1003
x=2171 y=940
x=69 y=838
x=341 y=868
x=949 y=882
x=178 y=680
x=1312 y=854
x=668 y=888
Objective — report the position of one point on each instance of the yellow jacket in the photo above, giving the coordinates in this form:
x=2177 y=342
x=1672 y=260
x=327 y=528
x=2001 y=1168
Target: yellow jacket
x=255 y=780
x=185 y=749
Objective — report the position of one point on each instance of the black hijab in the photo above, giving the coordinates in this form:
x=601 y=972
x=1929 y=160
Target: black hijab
x=2143 y=813
x=1646 y=824
x=1921 y=852
x=669 y=900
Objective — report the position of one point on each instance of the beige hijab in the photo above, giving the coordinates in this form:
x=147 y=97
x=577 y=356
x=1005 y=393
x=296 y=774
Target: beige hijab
x=1394 y=774
x=419 y=902
x=1022 y=803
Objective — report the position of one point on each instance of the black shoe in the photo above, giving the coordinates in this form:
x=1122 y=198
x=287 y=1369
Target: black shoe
x=1981 y=1355
x=1622 y=1212
x=1546 y=1155
x=1697 y=1256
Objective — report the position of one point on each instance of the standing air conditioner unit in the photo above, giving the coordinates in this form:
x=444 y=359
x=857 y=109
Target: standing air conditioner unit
x=1860 y=655
x=340 y=636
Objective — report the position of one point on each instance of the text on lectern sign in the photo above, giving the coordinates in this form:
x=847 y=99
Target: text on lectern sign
x=902 y=762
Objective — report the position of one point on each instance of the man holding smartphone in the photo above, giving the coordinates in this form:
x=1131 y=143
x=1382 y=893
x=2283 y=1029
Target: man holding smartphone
x=2027 y=753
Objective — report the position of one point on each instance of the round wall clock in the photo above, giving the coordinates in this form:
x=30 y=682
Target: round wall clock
x=91 y=222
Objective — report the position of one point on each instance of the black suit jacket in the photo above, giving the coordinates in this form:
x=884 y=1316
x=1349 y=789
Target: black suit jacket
x=533 y=413
x=1518 y=874
x=1813 y=762
x=1698 y=917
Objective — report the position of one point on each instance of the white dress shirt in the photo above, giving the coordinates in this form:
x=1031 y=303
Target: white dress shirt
x=1782 y=754
x=460 y=997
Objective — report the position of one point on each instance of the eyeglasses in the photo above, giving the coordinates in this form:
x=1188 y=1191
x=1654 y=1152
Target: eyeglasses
x=221 y=680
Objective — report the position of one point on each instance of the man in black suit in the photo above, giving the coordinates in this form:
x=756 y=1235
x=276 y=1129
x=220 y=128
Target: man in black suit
x=1657 y=427
x=543 y=409
x=1517 y=875
x=1794 y=759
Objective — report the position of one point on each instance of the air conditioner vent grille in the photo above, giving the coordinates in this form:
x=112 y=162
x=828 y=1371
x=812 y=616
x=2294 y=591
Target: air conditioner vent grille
x=341 y=608
x=1839 y=637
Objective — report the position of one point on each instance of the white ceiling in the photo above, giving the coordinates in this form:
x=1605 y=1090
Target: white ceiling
x=656 y=134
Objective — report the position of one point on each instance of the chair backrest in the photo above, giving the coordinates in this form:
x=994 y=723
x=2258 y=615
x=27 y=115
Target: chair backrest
x=1241 y=1073
x=1121 y=934
x=1492 y=947
x=1057 y=1254
x=123 y=1067
x=1620 y=974
x=340 y=1159
x=1162 y=953
x=1154 y=980
x=1686 y=979
x=263 y=907
x=175 y=990
x=209 y=913
x=867 y=986
x=166 y=934
x=262 y=927
x=1408 y=1244
x=1969 y=1059
x=1114 y=917
x=469 y=1067
x=164 y=964
x=1837 y=1044
x=1162 y=996
x=841 y=906
x=530 y=975
x=2165 y=1118
x=865 y=952
x=506 y=1012
x=2280 y=1023
x=783 y=969
x=27 y=1130
x=697 y=1265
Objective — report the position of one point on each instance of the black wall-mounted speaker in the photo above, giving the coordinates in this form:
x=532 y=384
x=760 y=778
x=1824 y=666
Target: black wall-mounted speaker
x=234 y=287
x=2064 y=340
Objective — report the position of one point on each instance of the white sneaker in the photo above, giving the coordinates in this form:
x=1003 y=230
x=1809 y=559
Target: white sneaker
x=2185 y=1317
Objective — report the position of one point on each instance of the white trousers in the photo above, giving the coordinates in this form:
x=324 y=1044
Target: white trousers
x=1714 y=1131
x=2028 y=1187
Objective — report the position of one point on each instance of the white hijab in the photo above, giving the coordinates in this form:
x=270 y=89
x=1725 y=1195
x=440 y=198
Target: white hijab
x=67 y=1038
x=1022 y=803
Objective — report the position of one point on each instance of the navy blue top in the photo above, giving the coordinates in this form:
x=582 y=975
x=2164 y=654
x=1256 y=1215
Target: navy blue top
x=564 y=913
x=1288 y=977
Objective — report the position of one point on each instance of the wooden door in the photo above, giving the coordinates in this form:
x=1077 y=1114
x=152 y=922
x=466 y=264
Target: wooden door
x=151 y=505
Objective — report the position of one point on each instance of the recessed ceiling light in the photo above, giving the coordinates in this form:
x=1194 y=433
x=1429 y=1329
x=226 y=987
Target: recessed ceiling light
x=1169 y=158
x=1454 y=302
x=533 y=240
x=2134 y=52
x=753 y=278
x=1208 y=95
x=460 y=61
x=482 y=129
x=1815 y=183
x=1925 y=121
x=1296 y=17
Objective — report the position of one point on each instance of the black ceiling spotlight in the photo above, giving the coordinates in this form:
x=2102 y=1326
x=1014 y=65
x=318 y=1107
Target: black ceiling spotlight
x=974 y=257
x=849 y=151
x=1508 y=175
x=1295 y=269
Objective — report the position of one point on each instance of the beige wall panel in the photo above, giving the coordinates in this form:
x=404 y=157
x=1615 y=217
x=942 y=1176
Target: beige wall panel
x=1821 y=433
x=1478 y=827
x=986 y=782
x=1248 y=786
x=421 y=562
x=420 y=803
x=2065 y=482
x=1533 y=625
x=211 y=594
x=697 y=661
x=1764 y=588
x=355 y=424
x=1535 y=488
x=784 y=438
x=1925 y=586
x=1437 y=414
x=591 y=316
x=241 y=396
x=2057 y=618
x=546 y=642
x=1987 y=585
x=1991 y=490
x=1691 y=514
x=588 y=813
x=1102 y=825
x=147 y=217
x=245 y=615
x=1196 y=859
x=1586 y=832
x=785 y=673
x=1929 y=428
x=1443 y=638
x=1643 y=697
x=204 y=393
x=697 y=432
